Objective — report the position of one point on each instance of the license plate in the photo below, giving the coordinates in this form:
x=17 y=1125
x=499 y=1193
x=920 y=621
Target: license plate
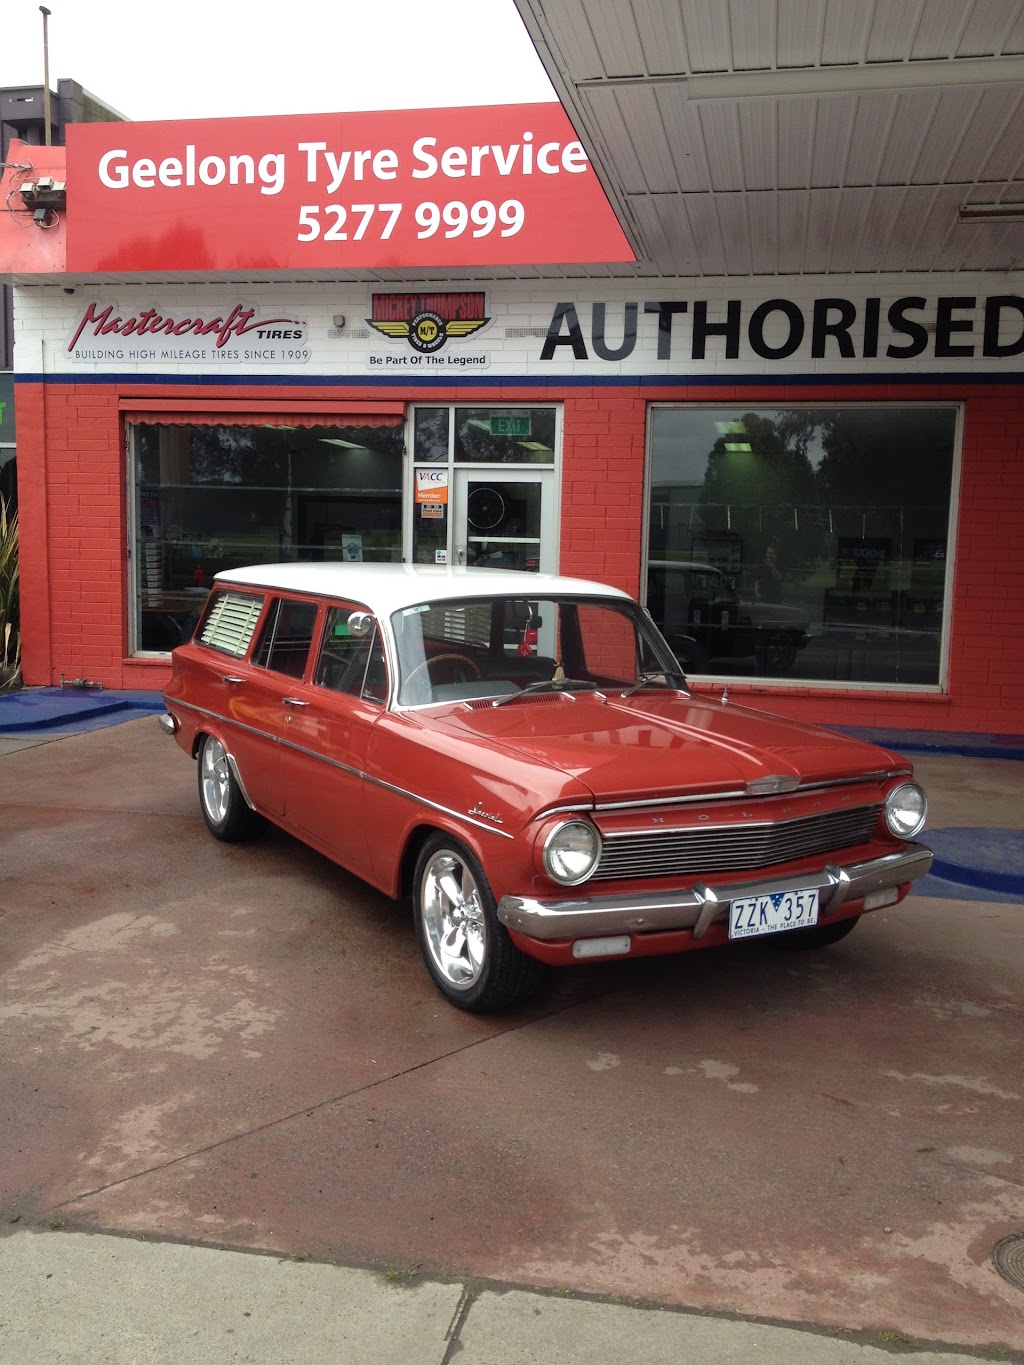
x=753 y=915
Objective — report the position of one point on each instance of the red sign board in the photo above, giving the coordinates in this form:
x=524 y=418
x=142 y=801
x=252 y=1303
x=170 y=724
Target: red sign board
x=501 y=185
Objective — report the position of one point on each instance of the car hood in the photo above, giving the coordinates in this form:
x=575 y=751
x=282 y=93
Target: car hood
x=646 y=746
x=774 y=614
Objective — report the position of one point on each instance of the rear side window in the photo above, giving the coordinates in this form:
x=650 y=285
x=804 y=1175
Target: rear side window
x=286 y=637
x=230 y=622
x=465 y=623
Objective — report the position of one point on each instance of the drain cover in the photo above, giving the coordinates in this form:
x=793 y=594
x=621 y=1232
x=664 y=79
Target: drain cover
x=1008 y=1259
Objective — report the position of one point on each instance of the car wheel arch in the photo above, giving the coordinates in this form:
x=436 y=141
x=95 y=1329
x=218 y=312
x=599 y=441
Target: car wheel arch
x=197 y=743
x=417 y=836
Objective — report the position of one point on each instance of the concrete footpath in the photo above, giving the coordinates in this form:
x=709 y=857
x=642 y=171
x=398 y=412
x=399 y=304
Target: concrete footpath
x=70 y=1297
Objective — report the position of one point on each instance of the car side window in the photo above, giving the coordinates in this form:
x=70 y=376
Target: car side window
x=350 y=663
x=286 y=637
x=229 y=622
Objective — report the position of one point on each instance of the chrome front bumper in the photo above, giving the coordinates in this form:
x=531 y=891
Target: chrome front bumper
x=698 y=907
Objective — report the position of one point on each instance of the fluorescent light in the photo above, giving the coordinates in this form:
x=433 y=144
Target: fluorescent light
x=854 y=78
x=1011 y=211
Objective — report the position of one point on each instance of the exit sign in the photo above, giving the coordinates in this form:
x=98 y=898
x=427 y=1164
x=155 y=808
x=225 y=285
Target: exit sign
x=510 y=426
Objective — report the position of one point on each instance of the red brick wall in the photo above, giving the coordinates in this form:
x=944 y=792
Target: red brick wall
x=72 y=481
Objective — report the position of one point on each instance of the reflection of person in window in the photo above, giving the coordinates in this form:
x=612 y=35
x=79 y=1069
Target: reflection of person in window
x=768 y=579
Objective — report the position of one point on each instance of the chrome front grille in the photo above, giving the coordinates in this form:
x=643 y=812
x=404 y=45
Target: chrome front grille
x=733 y=848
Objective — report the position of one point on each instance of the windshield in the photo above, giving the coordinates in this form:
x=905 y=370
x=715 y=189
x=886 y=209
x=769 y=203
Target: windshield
x=476 y=648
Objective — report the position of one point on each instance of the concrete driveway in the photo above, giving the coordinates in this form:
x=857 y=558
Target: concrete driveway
x=238 y=1046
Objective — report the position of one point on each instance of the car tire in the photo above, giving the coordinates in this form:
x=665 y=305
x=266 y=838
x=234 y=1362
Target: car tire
x=224 y=808
x=819 y=936
x=776 y=654
x=467 y=950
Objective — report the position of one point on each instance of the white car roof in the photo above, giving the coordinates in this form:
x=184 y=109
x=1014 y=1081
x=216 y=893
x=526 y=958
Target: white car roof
x=385 y=588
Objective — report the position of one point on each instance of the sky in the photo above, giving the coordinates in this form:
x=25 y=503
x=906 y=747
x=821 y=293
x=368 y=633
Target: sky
x=222 y=58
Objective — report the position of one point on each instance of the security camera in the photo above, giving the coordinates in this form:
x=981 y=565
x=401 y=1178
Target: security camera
x=69 y=290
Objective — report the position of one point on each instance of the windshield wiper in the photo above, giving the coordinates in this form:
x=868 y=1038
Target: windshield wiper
x=656 y=680
x=550 y=685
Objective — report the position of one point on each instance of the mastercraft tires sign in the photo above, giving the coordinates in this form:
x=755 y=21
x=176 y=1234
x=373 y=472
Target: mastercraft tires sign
x=498 y=185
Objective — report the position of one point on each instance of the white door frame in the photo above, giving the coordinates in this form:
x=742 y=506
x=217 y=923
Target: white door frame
x=543 y=476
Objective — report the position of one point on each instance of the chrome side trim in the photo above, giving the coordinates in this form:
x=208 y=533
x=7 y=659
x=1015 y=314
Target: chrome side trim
x=240 y=780
x=744 y=827
x=741 y=793
x=570 y=808
x=698 y=906
x=342 y=767
x=434 y=805
x=216 y=715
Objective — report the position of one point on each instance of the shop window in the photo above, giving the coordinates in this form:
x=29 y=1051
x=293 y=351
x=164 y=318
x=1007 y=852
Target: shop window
x=214 y=497
x=8 y=443
x=504 y=435
x=802 y=543
x=430 y=435
x=485 y=435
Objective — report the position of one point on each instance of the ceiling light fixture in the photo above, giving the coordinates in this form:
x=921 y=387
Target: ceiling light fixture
x=872 y=77
x=1011 y=211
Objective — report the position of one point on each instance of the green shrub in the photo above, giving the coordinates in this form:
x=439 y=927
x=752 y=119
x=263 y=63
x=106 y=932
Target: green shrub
x=10 y=625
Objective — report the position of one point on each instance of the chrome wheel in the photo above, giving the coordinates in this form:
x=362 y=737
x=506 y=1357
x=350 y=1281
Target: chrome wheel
x=226 y=811
x=452 y=915
x=467 y=950
x=215 y=780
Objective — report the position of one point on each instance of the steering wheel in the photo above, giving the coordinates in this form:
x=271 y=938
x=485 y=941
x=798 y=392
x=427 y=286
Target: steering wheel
x=415 y=681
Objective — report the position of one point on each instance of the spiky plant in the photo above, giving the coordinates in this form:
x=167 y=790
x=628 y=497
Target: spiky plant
x=10 y=632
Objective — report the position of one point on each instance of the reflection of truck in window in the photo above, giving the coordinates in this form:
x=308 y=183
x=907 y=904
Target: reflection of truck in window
x=703 y=618
x=864 y=595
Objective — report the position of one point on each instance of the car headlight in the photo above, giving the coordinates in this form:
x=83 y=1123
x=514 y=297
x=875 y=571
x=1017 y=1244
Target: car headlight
x=571 y=852
x=906 y=807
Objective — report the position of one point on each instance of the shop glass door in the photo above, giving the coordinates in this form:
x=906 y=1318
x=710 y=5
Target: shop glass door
x=504 y=519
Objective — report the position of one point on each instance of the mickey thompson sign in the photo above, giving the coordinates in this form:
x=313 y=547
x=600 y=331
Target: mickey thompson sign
x=959 y=326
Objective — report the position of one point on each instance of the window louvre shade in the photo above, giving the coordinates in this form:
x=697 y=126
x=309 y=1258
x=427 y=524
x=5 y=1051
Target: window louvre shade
x=230 y=624
x=171 y=412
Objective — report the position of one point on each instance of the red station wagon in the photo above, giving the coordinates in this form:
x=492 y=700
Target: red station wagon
x=521 y=755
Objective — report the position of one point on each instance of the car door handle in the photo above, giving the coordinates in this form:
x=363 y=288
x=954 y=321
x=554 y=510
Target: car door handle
x=293 y=701
x=231 y=678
